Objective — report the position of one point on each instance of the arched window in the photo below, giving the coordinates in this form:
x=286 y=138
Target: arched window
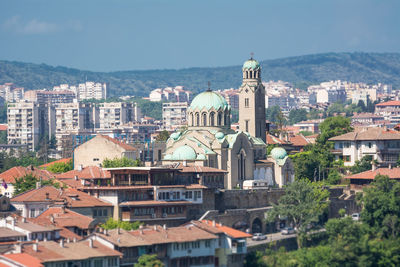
x=212 y=115
x=192 y=119
x=204 y=119
x=219 y=119
x=197 y=119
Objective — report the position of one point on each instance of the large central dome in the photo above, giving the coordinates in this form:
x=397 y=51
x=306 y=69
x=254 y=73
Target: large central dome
x=208 y=100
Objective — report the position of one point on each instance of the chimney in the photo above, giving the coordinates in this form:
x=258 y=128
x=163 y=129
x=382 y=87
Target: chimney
x=390 y=166
x=35 y=247
x=155 y=227
x=52 y=218
x=38 y=185
x=76 y=177
x=80 y=167
x=62 y=243
x=165 y=227
x=47 y=196
x=74 y=239
x=118 y=231
x=91 y=243
x=45 y=238
x=105 y=231
x=23 y=219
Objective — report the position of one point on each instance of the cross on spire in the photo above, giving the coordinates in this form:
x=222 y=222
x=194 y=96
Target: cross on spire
x=251 y=55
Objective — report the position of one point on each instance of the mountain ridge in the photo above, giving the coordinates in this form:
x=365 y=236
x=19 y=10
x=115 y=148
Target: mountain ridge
x=299 y=70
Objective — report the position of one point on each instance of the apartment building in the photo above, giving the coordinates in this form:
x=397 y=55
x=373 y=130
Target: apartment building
x=50 y=97
x=175 y=94
x=11 y=93
x=174 y=115
x=92 y=90
x=380 y=143
x=390 y=110
x=115 y=114
x=27 y=123
x=231 y=96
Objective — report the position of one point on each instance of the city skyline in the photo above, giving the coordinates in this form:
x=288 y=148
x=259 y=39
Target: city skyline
x=143 y=35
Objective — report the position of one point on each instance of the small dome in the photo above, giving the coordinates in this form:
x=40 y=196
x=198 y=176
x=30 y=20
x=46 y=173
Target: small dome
x=251 y=64
x=175 y=136
x=219 y=135
x=184 y=152
x=278 y=153
x=208 y=100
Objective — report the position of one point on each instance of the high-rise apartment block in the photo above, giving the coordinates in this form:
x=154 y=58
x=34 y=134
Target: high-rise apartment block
x=174 y=115
x=50 y=97
x=176 y=94
x=114 y=114
x=11 y=93
x=92 y=90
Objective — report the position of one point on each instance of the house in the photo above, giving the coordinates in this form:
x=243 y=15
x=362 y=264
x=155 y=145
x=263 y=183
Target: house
x=19 y=260
x=390 y=110
x=175 y=246
x=207 y=176
x=367 y=119
x=298 y=142
x=87 y=175
x=357 y=181
x=33 y=202
x=99 y=148
x=7 y=178
x=380 y=143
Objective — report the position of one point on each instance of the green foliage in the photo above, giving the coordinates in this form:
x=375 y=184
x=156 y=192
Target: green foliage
x=29 y=181
x=3 y=114
x=25 y=158
x=163 y=136
x=114 y=224
x=148 y=261
x=150 y=109
x=361 y=166
x=334 y=177
x=120 y=162
x=297 y=115
x=333 y=126
x=303 y=203
x=60 y=167
x=381 y=203
x=306 y=133
x=3 y=137
x=274 y=115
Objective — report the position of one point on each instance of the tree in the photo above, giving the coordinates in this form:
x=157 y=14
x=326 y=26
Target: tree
x=60 y=167
x=114 y=224
x=361 y=166
x=332 y=127
x=120 y=162
x=162 y=136
x=303 y=203
x=148 y=261
x=381 y=202
x=29 y=181
x=297 y=115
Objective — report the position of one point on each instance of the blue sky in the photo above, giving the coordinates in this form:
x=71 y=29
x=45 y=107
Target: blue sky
x=157 y=34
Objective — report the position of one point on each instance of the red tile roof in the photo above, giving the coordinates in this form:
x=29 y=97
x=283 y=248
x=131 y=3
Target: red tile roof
x=206 y=224
x=24 y=259
x=19 y=171
x=90 y=172
x=3 y=127
x=199 y=169
x=57 y=216
x=372 y=133
x=119 y=143
x=271 y=140
x=65 y=160
x=298 y=140
x=389 y=103
x=393 y=173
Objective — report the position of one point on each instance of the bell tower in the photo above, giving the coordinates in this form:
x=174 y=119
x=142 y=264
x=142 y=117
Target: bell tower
x=252 y=100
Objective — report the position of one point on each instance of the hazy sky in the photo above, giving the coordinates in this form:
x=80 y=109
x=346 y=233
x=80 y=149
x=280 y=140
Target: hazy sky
x=156 y=34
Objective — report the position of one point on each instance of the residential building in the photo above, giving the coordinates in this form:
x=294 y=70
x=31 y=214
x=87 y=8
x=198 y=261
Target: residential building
x=101 y=147
x=390 y=110
x=174 y=115
x=380 y=143
x=175 y=94
x=309 y=126
x=366 y=119
x=359 y=180
x=10 y=93
x=329 y=92
x=231 y=97
x=50 y=97
x=92 y=90
x=27 y=123
x=114 y=114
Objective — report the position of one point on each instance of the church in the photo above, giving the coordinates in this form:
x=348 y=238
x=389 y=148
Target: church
x=210 y=141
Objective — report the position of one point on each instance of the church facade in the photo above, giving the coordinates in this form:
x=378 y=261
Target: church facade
x=210 y=141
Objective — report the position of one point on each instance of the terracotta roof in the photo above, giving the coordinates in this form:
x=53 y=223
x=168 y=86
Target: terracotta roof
x=6 y=232
x=365 y=115
x=389 y=103
x=3 y=127
x=373 y=133
x=231 y=232
x=72 y=197
x=274 y=140
x=153 y=203
x=50 y=251
x=119 y=143
x=58 y=216
x=68 y=234
x=299 y=140
x=90 y=172
x=393 y=173
x=28 y=225
x=19 y=171
x=156 y=235
x=24 y=259
x=65 y=160
x=199 y=169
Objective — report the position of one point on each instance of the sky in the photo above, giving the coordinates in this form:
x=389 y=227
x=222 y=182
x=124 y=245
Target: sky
x=100 y=35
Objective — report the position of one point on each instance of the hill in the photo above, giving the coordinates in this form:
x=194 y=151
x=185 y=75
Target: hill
x=301 y=71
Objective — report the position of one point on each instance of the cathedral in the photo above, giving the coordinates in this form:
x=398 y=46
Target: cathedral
x=210 y=141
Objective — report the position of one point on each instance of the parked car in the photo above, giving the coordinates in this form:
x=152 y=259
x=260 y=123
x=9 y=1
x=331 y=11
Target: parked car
x=355 y=216
x=287 y=231
x=259 y=236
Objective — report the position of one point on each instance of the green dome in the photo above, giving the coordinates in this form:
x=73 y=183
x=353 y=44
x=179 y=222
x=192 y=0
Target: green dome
x=184 y=152
x=219 y=135
x=278 y=153
x=208 y=100
x=251 y=64
x=175 y=136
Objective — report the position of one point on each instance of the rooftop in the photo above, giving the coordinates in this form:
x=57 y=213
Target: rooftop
x=373 y=133
x=393 y=173
x=389 y=103
x=63 y=217
x=10 y=175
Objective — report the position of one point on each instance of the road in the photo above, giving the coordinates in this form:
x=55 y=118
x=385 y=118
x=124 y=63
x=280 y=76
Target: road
x=276 y=236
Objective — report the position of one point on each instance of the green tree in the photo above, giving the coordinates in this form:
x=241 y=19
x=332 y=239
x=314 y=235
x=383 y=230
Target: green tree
x=361 y=166
x=303 y=203
x=29 y=181
x=148 y=261
x=120 y=162
x=162 y=136
x=297 y=115
x=333 y=126
x=60 y=167
x=114 y=224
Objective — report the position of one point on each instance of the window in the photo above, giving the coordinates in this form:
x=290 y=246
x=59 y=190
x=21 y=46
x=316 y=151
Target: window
x=246 y=102
x=98 y=263
x=204 y=119
x=369 y=145
x=94 y=213
x=212 y=115
x=32 y=213
x=112 y=262
x=247 y=125
x=96 y=159
x=347 y=158
x=208 y=243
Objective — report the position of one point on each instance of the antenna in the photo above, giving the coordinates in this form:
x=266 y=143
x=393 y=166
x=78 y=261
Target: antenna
x=209 y=87
x=251 y=55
